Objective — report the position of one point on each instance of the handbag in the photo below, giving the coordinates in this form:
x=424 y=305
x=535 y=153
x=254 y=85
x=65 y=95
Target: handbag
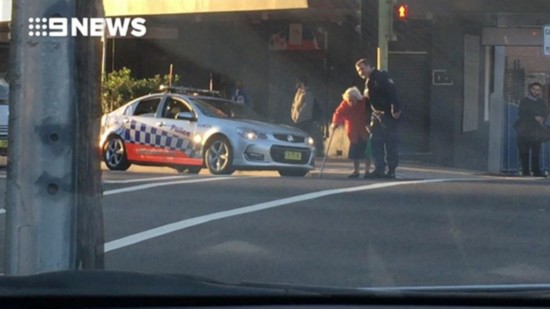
x=542 y=133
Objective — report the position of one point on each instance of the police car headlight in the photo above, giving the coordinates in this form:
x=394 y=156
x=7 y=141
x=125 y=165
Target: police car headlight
x=197 y=139
x=310 y=141
x=250 y=134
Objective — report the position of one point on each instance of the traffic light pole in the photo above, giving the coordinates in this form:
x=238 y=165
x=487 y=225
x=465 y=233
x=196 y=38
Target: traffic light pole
x=384 y=32
x=53 y=184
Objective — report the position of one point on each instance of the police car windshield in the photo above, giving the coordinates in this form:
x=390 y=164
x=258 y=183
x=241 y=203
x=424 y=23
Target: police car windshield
x=228 y=108
x=209 y=110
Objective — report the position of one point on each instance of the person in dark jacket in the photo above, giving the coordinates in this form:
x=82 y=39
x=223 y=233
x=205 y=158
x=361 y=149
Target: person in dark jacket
x=384 y=109
x=531 y=117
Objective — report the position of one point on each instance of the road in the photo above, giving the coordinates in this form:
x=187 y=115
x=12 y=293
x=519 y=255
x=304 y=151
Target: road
x=431 y=226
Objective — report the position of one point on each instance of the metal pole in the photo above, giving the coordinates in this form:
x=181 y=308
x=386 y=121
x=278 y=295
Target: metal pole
x=170 y=75
x=103 y=56
x=326 y=153
x=384 y=32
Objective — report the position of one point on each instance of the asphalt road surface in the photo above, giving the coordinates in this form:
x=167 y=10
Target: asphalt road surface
x=430 y=226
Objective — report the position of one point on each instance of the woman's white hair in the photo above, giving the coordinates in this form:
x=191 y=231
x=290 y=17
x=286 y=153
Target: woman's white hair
x=352 y=92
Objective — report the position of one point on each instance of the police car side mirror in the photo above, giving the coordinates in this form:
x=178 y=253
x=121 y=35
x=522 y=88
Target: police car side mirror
x=186 y=116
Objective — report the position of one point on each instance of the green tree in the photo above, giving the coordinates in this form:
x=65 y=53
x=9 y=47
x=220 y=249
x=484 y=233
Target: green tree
x=120 y=87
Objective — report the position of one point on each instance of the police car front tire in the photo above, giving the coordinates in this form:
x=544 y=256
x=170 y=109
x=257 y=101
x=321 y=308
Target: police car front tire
x=114 y=154
x=219 y=156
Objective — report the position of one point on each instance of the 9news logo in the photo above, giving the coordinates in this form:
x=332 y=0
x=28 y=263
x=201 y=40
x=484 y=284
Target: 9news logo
x=88 y=27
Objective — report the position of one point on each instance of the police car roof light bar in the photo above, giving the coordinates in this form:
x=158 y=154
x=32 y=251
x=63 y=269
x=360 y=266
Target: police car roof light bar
x=189 y=90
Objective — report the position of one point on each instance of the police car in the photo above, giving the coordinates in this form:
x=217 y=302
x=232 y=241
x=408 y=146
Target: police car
x=190 y=129
x=4 y=109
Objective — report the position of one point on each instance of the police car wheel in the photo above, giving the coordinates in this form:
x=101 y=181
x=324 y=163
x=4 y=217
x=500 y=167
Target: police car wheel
x=219 y=156
x=114 y=154
x=293 y=173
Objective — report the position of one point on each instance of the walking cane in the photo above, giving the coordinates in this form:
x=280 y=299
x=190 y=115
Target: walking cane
x=326 y=153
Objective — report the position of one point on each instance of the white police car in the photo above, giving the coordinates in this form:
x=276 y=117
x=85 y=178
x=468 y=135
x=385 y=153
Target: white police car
x=4 y=109
x=189 y=130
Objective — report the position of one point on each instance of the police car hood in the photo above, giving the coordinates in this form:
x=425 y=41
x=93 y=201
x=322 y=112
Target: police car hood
x=265 y=127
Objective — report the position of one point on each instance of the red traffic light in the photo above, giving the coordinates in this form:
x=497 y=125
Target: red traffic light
x=402 y=12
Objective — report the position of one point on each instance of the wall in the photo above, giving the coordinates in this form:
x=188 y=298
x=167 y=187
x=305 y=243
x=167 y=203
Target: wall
x=235 y=47
x=471 y=148
x=450 y=145
x=231 y=51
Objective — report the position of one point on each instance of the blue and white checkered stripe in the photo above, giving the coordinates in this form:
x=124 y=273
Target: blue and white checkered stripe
x=141 y=134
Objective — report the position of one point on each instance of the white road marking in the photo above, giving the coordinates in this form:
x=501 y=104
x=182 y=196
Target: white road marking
x=158 y=184
x=180 y=225
x=169 y=183
x=3 y=176
x=146 y=179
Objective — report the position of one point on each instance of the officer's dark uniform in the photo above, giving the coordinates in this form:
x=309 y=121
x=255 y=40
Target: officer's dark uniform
x=381 y=93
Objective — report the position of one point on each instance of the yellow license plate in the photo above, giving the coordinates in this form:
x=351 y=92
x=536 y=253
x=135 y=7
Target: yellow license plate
x=293 y=155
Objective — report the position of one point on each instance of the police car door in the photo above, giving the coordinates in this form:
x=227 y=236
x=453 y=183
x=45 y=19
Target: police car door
x=178 y=122
x=139 y=126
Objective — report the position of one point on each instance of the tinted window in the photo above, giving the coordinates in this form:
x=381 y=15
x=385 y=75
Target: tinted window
x=174 y=107
x=147 y=108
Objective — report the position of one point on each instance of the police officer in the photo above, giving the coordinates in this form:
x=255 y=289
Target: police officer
x=384 y=109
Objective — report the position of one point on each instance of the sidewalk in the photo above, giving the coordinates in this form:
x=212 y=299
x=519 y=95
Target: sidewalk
x=340 y=168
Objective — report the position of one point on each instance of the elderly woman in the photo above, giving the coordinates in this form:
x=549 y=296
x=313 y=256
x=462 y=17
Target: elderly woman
x=351 y=112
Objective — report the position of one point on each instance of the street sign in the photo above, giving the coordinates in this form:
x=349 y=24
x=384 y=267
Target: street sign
x=547 y=40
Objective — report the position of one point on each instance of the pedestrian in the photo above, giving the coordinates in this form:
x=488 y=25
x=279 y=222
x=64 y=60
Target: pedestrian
x=352 y=113
x=384 y=110
x=239 y=95
x=302 y=107
x=530 y=125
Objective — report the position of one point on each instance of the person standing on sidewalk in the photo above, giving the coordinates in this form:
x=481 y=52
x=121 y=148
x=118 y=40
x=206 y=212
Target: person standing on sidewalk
x=530 y=124
x=239 y=94
x=384 y=109
x=352 y=113
x=302 y=107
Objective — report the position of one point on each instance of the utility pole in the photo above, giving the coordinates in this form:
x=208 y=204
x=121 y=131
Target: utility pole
x=384 y=32
x=53 y=216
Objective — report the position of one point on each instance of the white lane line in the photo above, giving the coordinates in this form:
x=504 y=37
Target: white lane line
x=3 y=176
x=158 y=184
x=169 y=183
x=180 y=225
x=146 y=179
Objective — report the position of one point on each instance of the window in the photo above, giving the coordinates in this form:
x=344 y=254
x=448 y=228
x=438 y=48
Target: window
x=147 y=108
x=174 y=107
